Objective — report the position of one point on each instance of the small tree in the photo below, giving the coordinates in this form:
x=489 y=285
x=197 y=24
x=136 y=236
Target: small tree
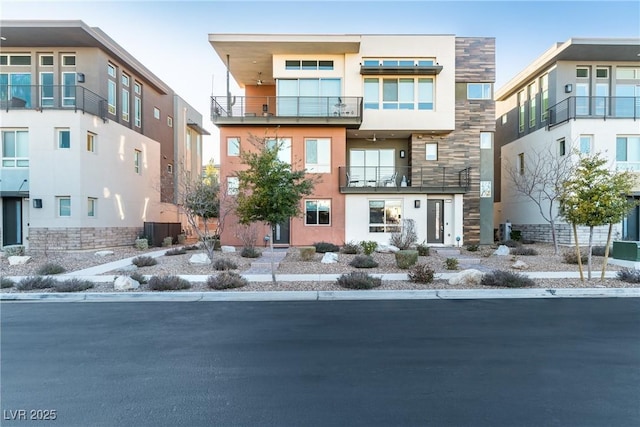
x=406 y=236
x=595 y=196
x=269 y=190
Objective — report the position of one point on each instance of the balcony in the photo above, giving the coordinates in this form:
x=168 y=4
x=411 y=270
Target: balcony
x=404 y=179
x=594 y=107
x=281 y=110
x=52 y=97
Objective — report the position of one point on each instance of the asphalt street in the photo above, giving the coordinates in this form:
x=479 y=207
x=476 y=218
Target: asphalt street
x=525 y=362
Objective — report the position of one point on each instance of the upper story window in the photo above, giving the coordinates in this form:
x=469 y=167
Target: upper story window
x=390 y=62
x=156 y=113
x=544 y=96
x=137 y=104
x=318 y=155
x=111 y=88
x=111 y=70
x=125 y=80
x=521 y=110
x=602 y=73
x=399 y=94
x=68 y=60
x=479 y=91
x=284 y=148
x=308 y=64
x=170 y=121
x=46 y=60
x=15 y=59
x=582 y=72
x=233 y=146
x=533 y=90
x=627 y=73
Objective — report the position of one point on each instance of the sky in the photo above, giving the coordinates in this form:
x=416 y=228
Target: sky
x=171 y=37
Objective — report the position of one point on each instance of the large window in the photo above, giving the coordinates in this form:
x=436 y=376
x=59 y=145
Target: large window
x=233 y=146
x=111 y=96
x=318 y=155
x=310 y=97
x=317 y=212
x=544 y=96
x=46 y=89
x=68 y=89
x=398 y=93
x=370 y=167
x=628 y=153
x=532 y=104
x=385 y=216
x=478 y=90
x=15 y=148
x=125 y=97
x=627 y=102
x=137 y=104
x=16 y=86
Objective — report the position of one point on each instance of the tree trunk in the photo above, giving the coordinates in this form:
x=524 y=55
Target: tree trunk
x=556 y=250
x=273 y=269
x=575 y=237
x=589 y=253
x=606 y=252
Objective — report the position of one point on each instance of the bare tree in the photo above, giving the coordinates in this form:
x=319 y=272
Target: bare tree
x=541 y=181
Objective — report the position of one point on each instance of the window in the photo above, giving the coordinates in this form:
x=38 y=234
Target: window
x=308 y=65
x=156 y=113
x=125 y=80
x=318 y=155
x=68 y=89
x=628 y=153
x=284 y=153
x=486 y=140
x=478 y=90
x=64 y=206
x=15 y=148
x=586 y=144
x=137 y=111
x=521 y=163
x=582 y=99
x=68 y=60
x=399 y=94
x=385 y=216
x=233 y=184
x=125 y=99
x=405 y=62
x=521 y=105
x=233 y=146
x=602 y=73
x=368 y=167
x=544 y=95
x=111 y=70
x=170 y=121
x=562 y=147
x=91 y=142
x=431 y=151
x=137 y=88
x=627 y=73
x=15 y=60
x=317 y=212
x=46 y=89
x=371 y=94
x=582 y=72
x=137 y=161
x=111 y=96
x=64 y=138
x=503 y=119
x=46 y=60
x=92 y=203
x=532 y=104
x=16 y=85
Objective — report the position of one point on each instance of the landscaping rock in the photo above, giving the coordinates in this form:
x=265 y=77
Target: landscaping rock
x=387 y=249
x=502 y=250
x=103 y=253
x=329 y=258
x=200 y=259
x=18 y=260
x=125 y=283
x=467 y=277
x=227 y=249
x=520 y=265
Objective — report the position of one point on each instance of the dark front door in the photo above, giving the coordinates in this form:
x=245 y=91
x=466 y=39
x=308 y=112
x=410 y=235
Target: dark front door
x=435 y=224
x=281 y=233
x=11 y=221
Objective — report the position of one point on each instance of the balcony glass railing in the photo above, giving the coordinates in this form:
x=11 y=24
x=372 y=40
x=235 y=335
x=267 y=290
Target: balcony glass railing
x=593 y=107
x=403 y=178
x=285 y=106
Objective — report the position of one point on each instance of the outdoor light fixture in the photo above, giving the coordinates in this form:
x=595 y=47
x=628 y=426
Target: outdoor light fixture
x=402 y=154
x=568 y=88
x=80 y=77
x=416 y=204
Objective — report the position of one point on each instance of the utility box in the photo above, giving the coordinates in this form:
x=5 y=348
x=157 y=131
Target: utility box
x=157 y=231
x=629 y=251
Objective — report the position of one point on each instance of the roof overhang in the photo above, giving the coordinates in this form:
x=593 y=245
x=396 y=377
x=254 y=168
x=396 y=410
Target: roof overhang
x=199 y=129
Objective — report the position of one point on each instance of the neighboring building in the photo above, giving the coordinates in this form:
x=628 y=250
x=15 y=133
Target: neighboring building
x=396 y=126
x=89 y=136
x=582 y=95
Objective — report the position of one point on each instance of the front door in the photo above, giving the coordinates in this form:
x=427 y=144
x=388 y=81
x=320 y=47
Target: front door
x=435 y=224
x=281 y=233
x=11 y=221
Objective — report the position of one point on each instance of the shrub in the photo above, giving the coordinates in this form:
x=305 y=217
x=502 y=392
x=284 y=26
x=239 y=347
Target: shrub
x=570 y=257
x=516 y=235
x=50 y=268
x=144 y=261
x=73 y=285
x=406 y=237
x=451 y=263
x=629 y=275
x=322 y=247
x=351 y=248
x=368 y=246
x=191 y=247
x=182 y=238
x=307 y=253
x=406 y=258
x=506 y=279
x=5 y=283
x=224 y=264
x=423 y=249
x=226 y=280
x=167 y=241
x=176 y=251
x=138 y=277
x=523 y=251
x=14 y=250
x=35 y=282
x=511 y=243
x=363 y=261
x=168 y=283
x=473 y=248
x=599 y=250
x=250 y=252
x=358 y=280
x=141 y=243
x=421 y=273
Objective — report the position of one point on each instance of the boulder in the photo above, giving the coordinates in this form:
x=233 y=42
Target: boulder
x=387 y=249
x=18 y=260
x=125 y=283
x=227 y=249
x=329 y=258
x=520 y=265
x=199 y=259
x=103 y=253
x=467 y=277
x=502 y=250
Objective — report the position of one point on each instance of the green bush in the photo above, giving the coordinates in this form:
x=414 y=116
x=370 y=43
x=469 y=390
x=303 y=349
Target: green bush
x=250 y=252
x=14 y=250
x=629 y=275
x=358 y=280
x=451 y=263
x=176 y=251
x=421 y=273
x=144 y=261
x=323 y=247
x=351 y=248
x=221 y=264
x=363 y=261
x=167 y=241
x=523 y=251
x=226 y=280
x=35 y=282
x=50 y=268
x=141 y=243
x=516 y=235
x=5 y=283
x=506 y=279
x=570 y=257
x=423 y=249
x=307 y=253
x=369 y=246
x=599 y=250
x=138 y=277
x=168 y=283
x=72 y=285
x=406 y=258
x=473 y=248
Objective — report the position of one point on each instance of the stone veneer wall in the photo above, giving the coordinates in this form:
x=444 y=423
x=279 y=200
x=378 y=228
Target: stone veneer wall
x=564 y=232
x=57 y=239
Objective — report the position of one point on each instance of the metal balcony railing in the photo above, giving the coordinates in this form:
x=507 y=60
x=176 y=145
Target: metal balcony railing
x=52 y=97
x=223 y=107
x=362 y=179
x=594 y=107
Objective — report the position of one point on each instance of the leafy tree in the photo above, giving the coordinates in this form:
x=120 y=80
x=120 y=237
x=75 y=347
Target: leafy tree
x=269 y=190
x=595 y=196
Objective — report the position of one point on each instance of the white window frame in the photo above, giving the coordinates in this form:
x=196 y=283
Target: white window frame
x=137 y=161
x=170 y=168
x=318 y=202
x=137 y=111
x=59 y=200
x=112 y=96
x=233 y=146
x=585 y=144
x=92 y=207
x=68 y=101
x=47 y=55
x=156 y=113
x=15 y=161
x=170 y=121
x=284 y=154
x=623 y=162
x=485 y=91
x=431 y=151
x=47 y=101
x=64 y=57
x=111 y=70
x=582 y=68
x=386 y=227
x=415 y=99
x=521 y=111
x=125 y=104
x=59 y=133
x=322 y=162
x=532 y=90
x=562 y=146
x=91 y=142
